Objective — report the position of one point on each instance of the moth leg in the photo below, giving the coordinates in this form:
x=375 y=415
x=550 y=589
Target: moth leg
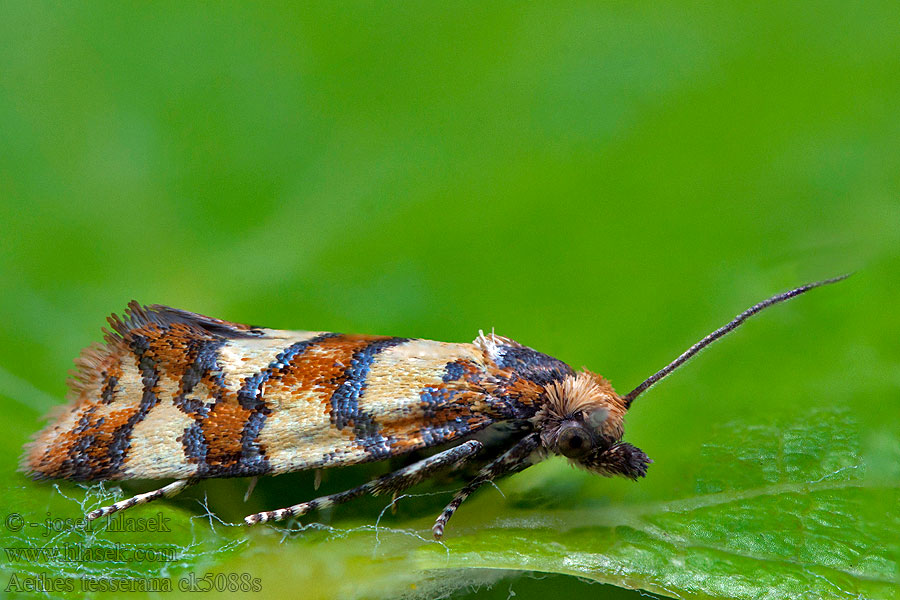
x=168 y=491
x=392 y=482
x=512 y=461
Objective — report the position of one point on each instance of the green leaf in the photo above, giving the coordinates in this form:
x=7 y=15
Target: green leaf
x=778 y=509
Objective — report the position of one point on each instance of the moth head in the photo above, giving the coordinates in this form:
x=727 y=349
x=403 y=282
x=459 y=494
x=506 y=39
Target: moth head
x=582 y=420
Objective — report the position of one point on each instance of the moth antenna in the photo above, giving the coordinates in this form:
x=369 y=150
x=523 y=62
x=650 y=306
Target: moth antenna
x=729 y=327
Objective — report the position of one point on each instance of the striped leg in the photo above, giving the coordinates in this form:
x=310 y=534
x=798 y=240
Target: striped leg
x=164 y=492
x=392 y=482
x=512 y=461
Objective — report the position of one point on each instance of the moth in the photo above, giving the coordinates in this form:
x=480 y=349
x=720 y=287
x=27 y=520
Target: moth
x=172 y=394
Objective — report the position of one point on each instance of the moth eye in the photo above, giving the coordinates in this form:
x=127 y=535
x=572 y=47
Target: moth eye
x=574 y=441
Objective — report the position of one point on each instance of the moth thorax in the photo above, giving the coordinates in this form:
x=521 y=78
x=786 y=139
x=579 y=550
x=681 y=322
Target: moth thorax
x=588 y=397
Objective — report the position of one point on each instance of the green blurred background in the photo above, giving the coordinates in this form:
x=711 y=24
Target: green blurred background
x=605 y=182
